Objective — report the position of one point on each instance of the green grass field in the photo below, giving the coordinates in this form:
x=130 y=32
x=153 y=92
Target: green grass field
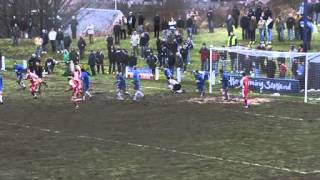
x=164 y=137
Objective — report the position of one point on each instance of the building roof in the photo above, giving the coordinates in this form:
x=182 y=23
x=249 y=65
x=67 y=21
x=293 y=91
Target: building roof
x=102 y=19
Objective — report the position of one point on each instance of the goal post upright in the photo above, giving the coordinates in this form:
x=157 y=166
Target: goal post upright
x=211 y=74
x=306 y=78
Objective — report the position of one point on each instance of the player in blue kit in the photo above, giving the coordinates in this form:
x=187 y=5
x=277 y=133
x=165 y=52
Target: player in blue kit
x=19 y=70
x=137 y=85
x=201 y=79
x=1 y=89
x=85 y=83
x=121 y=85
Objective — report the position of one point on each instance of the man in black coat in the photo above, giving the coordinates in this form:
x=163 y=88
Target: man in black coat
x=92 y=63
x=144 y=42
x=156 y=25
x=132 y=60
x=210 y=20
x=112 y=62
x=141 y=19
x=230 y=24
x=235 y=16
x=117 y=32
x=152 y=62
x=74 y=24
x=67 y=41
x=244 y=23
x=271 y=68
x=131 y=23
x=180 y=25
x=100 y=61
x=171 y=61
x=60 y=40
x=74 y=56
x=82 y=46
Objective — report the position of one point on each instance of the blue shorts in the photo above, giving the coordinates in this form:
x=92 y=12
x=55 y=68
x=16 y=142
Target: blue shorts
x=19 y=76
x=136 y=85
x=86 y=87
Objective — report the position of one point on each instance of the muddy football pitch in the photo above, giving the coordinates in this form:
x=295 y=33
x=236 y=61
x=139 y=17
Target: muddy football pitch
x=162 y=137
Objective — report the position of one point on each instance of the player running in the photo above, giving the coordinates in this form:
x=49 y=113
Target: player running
x=244 y=83
x=34 y=83
x=121 y=86
x=19 y=70
x=76 y=87
x=1 y=89
x=85 y=83
x=201 y=81
x=137 y=85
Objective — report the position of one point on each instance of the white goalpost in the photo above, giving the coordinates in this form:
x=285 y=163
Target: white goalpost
x=271 y=71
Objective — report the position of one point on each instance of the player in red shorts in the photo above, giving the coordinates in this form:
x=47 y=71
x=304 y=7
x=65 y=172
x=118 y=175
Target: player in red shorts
x=75 y=84
x=76 y=91
x=244 y=83
x=34 y=83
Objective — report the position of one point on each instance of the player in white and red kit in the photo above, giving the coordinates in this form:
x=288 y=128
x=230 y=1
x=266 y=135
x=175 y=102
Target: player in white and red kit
x=244 y=83
x=75 y=84
x=34 y=83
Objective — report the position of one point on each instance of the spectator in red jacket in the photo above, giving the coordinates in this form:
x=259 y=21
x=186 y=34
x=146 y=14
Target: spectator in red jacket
x=282 y=70
x=204 y=56
x=215 y=56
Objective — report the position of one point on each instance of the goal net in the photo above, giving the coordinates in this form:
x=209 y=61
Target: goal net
x=270 y=71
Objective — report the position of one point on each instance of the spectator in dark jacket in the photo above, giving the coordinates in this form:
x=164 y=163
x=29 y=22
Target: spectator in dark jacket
x=15 y=35
x=230 y=24
x=109 y=42
x=271 y=68
x=267 y=13
x=67 y=41
x=290 y=26
x=156 y=25
x=131 y=22
x=204 y=57
x=117 y=32
x=74 y=24
x=60 y=40
x=189 y=26
x=144 y=42
x=82 y=46
x=132 y=60
x=180 y=25
x=235 y=16
x=244 y=23
x=171 y=61
x=45 y=41
x=92 y=63
x=152 y=62
x=74 y=56
x=164 y=24
x=100 y=61
x=258 y=13
x=112 y=62
x=210 y=20
x=252 y=30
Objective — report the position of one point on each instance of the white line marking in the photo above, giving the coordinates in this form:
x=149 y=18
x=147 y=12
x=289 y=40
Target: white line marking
x=173 y=151
x=271 y=116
